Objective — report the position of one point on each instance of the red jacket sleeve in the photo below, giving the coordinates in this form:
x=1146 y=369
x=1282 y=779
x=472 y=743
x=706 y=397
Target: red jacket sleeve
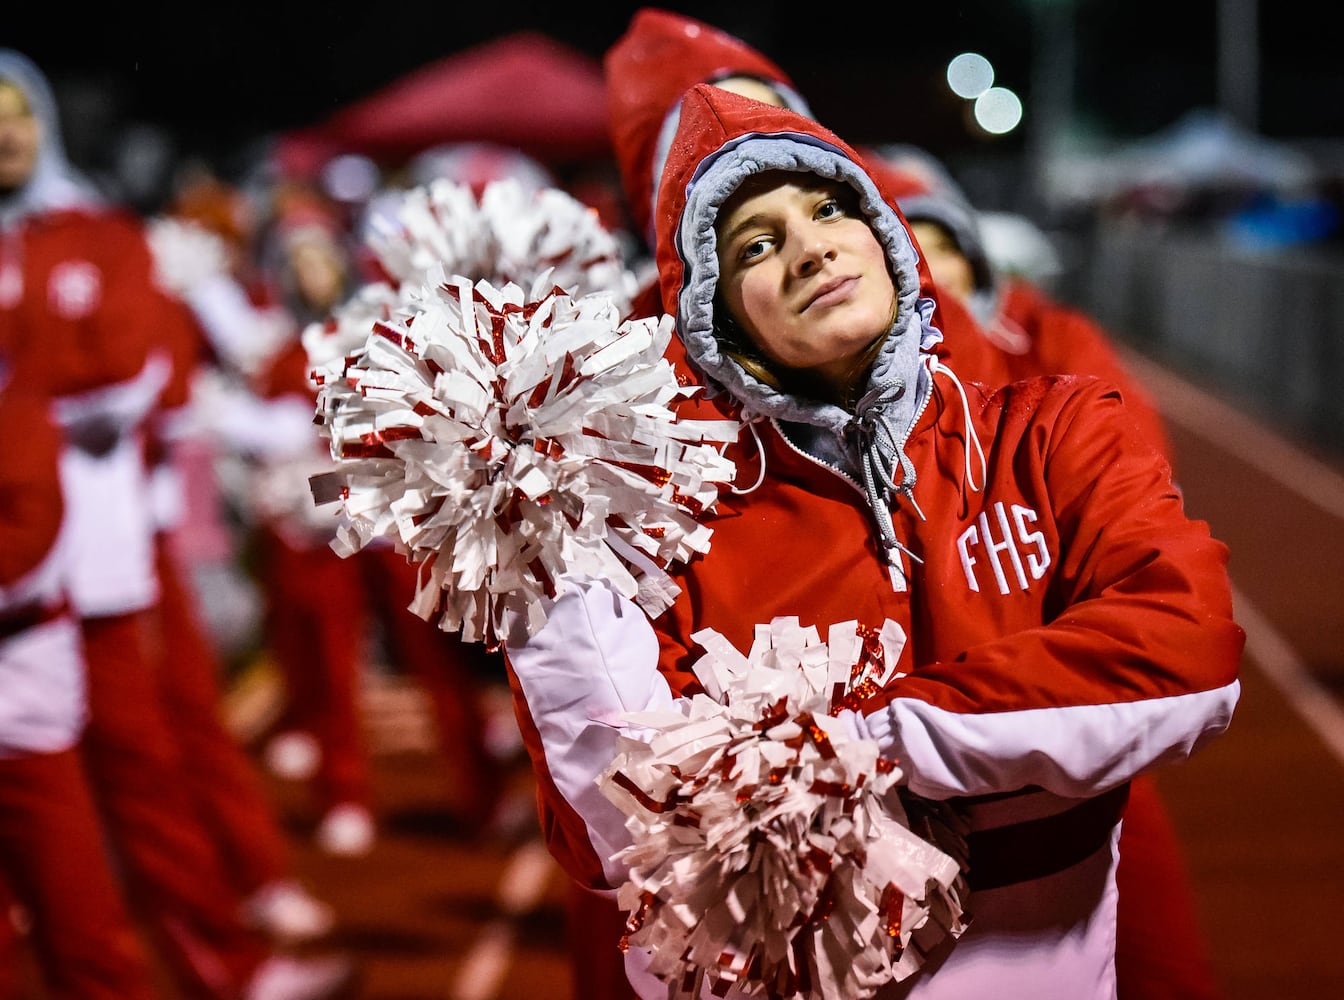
x=31 y=507
x=1065 y=341
x=75 y=349
x=1136 y=658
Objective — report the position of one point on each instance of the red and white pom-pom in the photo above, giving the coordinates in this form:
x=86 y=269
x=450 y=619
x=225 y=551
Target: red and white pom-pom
x=552 y=229
x=505 y=441
x=772 y=853
x=440 y=231
x=184 y=254
x=346 y=331
x=512 y=234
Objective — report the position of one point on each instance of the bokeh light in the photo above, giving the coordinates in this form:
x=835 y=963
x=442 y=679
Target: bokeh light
x=998 y=110
x=970 y=75
x=351 y=177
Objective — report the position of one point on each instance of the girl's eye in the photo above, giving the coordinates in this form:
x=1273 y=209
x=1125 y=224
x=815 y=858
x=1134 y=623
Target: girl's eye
x=753 y=249
x=829 y=209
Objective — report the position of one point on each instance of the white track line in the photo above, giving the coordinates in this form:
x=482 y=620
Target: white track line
x=1278 y=458
x=486 y=963
x=1233 y=431
x=521 y=888
x=1279 y=662
x=524 y=881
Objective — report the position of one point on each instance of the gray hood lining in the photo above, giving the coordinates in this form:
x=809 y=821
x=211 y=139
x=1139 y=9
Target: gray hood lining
x=54 y=183
x=717 y=178
x=668 y=131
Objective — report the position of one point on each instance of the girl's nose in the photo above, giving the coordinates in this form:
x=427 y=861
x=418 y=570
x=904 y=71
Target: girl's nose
x=814 y=249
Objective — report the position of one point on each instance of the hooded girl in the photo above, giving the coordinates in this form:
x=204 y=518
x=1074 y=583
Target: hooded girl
x=650 y=68
x=662 y=55
x=1066 y=626
x=1036 y=332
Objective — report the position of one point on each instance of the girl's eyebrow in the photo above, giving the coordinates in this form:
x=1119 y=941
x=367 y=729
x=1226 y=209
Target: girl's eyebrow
x=819 y=189
x=750 y=222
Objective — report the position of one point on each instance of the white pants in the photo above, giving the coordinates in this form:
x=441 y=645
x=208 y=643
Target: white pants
x=110 y=520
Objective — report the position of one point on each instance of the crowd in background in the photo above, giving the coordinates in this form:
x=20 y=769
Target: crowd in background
x=162 y=544
x=239 y=260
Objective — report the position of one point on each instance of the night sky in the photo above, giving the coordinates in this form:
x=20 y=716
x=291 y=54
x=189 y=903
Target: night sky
x=218 y=80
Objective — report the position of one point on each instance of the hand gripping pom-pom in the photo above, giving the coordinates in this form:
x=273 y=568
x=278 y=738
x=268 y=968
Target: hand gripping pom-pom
x=506 y=441
x=771 y=852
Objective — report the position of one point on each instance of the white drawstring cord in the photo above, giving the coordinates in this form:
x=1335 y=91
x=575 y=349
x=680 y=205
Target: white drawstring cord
x=937 y=366
x=760 y=450
x=877 y=468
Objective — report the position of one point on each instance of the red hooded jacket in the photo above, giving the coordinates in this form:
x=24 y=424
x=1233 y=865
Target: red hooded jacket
x=1069 y=627
x=648 y=69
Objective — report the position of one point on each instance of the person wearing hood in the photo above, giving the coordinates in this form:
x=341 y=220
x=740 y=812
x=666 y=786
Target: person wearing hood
x=82 y=320
x=1006 y=331
x=658 y=58
x=51 y=839
x=1056 y=599
x=1036 y=332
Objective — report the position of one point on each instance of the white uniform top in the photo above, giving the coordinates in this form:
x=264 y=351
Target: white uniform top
x=43 y=696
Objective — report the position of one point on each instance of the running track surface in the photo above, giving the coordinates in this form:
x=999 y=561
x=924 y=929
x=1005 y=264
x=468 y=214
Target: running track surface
x=430 y=915
x=1260 y=811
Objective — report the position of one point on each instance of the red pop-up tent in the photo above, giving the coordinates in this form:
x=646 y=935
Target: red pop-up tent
x=523 y=90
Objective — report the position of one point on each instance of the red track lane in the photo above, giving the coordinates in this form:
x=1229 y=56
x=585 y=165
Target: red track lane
x=431 y=916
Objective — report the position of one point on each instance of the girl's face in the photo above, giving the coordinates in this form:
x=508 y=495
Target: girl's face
x=948 y=266
x=748 y=86
x=319 y=273
x=20 y=136
x=803 y=274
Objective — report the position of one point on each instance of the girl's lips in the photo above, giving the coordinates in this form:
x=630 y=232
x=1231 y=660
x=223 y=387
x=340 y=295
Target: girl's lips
x=832 y=292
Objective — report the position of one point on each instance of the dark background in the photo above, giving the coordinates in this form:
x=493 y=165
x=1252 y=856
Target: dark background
x=216 y=78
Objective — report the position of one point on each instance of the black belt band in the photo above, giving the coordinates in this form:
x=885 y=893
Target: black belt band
x=1036 y=848
x=23 y=618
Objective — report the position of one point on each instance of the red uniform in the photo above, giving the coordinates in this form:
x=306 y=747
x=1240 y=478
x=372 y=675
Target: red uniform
x=1055 y=597
x=1025 y=333
x=81 y=318
x=51 y=839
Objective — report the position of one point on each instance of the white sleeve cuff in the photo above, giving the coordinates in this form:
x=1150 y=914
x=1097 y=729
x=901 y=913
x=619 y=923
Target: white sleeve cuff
x=595 y=659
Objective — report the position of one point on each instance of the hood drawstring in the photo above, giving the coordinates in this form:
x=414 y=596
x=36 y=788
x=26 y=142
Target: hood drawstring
x=760 y=450
x=937 y=367
x=880 y=454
